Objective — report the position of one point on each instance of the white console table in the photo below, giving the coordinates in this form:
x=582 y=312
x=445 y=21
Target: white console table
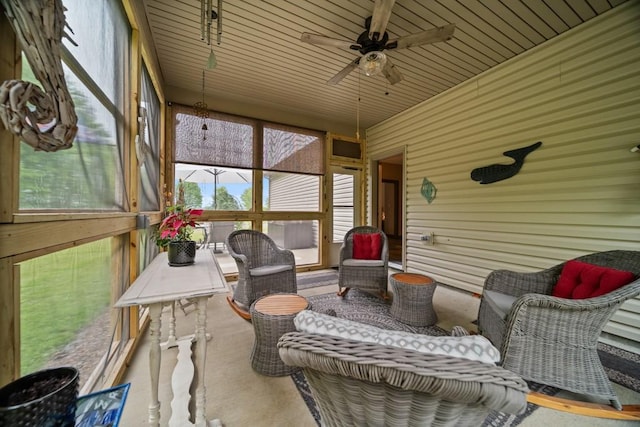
x=160 y=285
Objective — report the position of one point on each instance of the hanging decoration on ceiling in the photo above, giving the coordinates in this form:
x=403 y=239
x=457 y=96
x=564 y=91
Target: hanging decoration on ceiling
x=428 y=190
x=46 y=120
x=207 y=15
x=201 y=109
x=498 y=172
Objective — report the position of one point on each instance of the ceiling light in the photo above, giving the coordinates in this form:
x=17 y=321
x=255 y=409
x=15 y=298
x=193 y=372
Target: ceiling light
x=372 y=63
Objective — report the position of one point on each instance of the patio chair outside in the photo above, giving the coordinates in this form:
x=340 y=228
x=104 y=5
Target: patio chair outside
x=553 y=340
x=218 y=232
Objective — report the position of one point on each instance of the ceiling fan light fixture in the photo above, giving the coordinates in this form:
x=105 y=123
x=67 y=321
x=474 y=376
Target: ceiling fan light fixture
x=373 y=62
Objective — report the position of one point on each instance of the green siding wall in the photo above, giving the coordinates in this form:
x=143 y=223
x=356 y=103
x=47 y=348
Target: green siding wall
x=579 y=193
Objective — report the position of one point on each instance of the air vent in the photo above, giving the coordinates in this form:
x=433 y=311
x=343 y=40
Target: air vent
x=346 y=150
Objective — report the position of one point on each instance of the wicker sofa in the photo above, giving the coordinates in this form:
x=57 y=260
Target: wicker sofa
x=366 y=383
x=552 y=340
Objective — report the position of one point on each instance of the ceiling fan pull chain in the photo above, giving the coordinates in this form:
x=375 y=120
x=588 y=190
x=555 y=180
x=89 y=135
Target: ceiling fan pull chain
x=358 y=111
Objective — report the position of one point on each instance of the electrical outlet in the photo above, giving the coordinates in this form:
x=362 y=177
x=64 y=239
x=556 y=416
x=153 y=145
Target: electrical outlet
x=429 y=238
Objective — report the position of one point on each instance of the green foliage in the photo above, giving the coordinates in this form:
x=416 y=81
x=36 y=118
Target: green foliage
x=81 y=177
x=247 y=197
x=192 y=194
x=224 y=201
x=61 y=294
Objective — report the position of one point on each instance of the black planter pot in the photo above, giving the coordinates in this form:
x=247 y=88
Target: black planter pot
x=182 y=253
x=44 y=398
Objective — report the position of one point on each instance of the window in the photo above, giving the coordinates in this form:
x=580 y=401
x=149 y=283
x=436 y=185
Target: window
x=148 y=145
x=90 y=174
x=65 y=308
x=343 y=205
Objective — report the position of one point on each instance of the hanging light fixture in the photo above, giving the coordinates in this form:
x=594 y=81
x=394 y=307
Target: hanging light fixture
x=200 y=109
x=207 y=15
x=372 y=63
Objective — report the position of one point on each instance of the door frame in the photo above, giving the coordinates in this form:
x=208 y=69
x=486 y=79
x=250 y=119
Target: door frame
x=374 y=180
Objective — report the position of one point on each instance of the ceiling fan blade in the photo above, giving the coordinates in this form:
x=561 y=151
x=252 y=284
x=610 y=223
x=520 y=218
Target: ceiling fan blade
x=391 y=72
x=380 y=18
x=344 y=72
x=438 y=34
x=327 y=41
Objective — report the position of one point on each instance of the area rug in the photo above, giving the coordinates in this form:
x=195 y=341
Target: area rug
x=311 y=279
x=314 y=279
x=622 y=366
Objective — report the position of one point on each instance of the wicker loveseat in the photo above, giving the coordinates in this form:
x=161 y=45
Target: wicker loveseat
x=360 y=383
x=552 y=340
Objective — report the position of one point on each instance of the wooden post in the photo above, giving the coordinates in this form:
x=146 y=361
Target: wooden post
x=9 y=160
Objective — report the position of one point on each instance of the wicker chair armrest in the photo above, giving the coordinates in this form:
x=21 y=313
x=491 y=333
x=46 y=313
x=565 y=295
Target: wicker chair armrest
x=452 y=378
x=567 y=320
x=517 y=283
x=614 y=298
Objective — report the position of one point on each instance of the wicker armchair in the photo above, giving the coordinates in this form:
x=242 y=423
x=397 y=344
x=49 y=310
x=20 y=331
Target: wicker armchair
x=553 y=340
x=368 y=384
x=263 y=268
x=368 y=275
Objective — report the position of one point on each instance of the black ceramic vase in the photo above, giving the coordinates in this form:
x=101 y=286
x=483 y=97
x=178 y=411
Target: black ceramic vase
x=182 y=253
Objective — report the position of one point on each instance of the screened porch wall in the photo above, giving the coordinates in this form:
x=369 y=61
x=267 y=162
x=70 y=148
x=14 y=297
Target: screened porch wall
x=576 y=194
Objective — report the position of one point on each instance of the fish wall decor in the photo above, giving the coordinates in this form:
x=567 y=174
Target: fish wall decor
x=498 y=172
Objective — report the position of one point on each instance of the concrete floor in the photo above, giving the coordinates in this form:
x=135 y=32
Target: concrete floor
x=240 y=397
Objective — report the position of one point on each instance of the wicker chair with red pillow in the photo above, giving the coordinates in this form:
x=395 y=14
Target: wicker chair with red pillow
x=364 y=259
x=547 y=323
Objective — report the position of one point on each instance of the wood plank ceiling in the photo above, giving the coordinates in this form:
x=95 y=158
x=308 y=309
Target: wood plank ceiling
x=261 y=60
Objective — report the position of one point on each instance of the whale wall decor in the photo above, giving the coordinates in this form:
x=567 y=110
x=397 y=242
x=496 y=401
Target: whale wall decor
x=498 y=172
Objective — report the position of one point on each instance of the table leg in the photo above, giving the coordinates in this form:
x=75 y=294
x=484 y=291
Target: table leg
x=155 y=312
x=171 y=339
x=200 y=359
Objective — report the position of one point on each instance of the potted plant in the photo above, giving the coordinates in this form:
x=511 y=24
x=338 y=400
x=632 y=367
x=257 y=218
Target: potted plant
x=174 y=232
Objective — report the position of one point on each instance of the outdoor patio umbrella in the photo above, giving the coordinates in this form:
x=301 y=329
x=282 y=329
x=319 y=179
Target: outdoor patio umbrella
x=208 y=174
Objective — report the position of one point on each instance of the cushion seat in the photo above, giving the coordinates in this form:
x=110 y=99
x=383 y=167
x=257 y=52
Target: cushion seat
x=499 y=302
x=363 y=262
x=266 y=270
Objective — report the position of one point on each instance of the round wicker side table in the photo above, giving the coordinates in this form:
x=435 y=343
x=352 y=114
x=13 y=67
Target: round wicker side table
x=413 y=299
x=272 y=316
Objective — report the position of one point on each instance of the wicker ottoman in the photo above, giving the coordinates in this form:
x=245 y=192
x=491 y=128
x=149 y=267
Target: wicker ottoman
x=412 y=299
x=272 y=316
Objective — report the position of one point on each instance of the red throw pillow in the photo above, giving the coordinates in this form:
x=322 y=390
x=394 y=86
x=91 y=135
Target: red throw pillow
x=580 y=280
x=366 y=246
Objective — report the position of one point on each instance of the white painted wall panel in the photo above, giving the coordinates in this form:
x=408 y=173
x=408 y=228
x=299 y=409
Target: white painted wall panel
x=579 y=193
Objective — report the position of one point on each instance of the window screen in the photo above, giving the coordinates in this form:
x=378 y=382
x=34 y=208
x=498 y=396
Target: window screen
x=231 y=141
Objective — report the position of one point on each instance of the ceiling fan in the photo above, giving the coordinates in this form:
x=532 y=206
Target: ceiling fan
x=374 y=40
